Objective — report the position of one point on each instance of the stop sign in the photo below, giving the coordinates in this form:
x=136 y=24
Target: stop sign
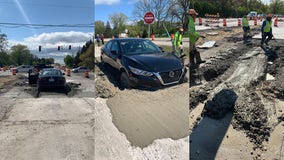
x=149 y=17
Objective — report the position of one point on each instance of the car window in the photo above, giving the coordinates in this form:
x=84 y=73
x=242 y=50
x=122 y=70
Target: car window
x=115 y=47
x=108 y=45
x=139 y=47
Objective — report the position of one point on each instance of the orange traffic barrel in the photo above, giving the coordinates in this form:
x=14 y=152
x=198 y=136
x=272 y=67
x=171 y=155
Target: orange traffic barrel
x=153 y=37
x=14 y=71
x=68 y=72
x=276 y=22
x=86 y=73
x=200 y=21
x=224 y=22
x=255 y=21
x=239 y=22
x=172 y=36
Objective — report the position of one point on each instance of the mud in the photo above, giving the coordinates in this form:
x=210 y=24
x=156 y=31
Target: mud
x=254 y=110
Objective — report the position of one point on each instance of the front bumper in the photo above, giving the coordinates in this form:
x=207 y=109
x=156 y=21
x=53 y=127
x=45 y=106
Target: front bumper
x=158 y=79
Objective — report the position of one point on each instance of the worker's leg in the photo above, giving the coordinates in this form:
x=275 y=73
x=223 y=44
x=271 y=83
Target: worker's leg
x=263 y=38
x=269 y=35
x=191 y=54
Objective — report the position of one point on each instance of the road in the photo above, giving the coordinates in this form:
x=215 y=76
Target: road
x=54 y=126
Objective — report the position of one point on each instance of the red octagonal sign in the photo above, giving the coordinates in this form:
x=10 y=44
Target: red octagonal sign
x=149 y=17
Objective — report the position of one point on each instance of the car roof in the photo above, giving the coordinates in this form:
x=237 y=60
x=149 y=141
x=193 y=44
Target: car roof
x=49 y=69
x=127 y=39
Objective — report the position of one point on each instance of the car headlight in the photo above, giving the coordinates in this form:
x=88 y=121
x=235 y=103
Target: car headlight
x=140 y=72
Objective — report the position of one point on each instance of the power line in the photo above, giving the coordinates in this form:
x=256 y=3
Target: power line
x=38 y=26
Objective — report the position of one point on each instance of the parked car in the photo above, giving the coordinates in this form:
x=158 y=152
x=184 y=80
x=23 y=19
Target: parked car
x=51 y=78
x=141 y=63
x=80 y=69
x=22 y=68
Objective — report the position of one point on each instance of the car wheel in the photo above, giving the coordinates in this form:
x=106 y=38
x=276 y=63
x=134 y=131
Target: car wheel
x=124 y=81
x=38 y=92
x=102 y=61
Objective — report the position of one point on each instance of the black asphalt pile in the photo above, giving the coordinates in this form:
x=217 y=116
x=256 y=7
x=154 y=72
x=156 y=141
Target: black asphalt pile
x=221 y=104
x=250 y=115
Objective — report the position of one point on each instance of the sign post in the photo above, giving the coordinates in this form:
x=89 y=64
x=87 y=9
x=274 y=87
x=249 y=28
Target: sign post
x=149 y=18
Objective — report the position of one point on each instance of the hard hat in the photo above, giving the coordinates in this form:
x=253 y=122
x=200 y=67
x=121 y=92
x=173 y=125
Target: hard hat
x=270 y=15
x=192 y=12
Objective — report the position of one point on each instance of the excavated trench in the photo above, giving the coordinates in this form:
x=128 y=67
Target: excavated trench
x=236 y=82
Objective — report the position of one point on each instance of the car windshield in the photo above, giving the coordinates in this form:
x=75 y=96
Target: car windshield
x=50 y=72
x=133 y=46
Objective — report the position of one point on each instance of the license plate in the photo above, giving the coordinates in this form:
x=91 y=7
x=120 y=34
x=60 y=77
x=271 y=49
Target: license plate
x=51 y=80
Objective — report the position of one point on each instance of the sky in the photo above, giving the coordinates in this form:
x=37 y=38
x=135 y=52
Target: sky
x=104 y=8
x=47 y=12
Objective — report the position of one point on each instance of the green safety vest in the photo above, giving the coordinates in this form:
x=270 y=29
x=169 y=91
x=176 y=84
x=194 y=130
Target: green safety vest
x=245 y=22
x=177 y=39
x=267 y=27
x=193 y=35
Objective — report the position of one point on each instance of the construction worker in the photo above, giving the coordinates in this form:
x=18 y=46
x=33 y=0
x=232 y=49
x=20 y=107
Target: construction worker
x=266 y=30
x=193 y=37
x=246 y=28
x=178 y=42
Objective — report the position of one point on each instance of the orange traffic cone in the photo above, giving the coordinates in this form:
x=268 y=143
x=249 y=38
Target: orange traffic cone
x=239 y=22
x=172 y=36
x=68 y=72
x=14 y=71
x=86 y=74
x=153 y=37
x=200 y=21
x=224 y=22
x=255 y=21
x=276 y=22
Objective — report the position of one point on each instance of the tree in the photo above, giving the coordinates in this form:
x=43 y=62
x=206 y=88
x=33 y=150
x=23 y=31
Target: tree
x=68 y=60
x=277 y=6
x=3 y=42
x=87 y=58
x=118 y=21
x=179 y=10
x=20 y=54
x=158 y=7
x=108 y=31
x=99 y=27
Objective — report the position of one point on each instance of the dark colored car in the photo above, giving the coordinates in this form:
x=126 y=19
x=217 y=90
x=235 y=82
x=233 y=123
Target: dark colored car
x=80 y=69
x=142 y=63
x=51 y=78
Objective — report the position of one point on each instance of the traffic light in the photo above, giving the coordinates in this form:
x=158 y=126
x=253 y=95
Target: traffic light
x=58 y=48
x=39 y=48
x=69 y=47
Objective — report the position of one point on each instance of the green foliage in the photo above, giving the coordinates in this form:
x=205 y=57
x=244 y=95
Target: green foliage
x=144 y=34
x=277 y=7
x=87 y=57
x=99 y=27
x=20 y=54
x=108 y=31
x=68 y=60
x=3 y=42
x=118 y=21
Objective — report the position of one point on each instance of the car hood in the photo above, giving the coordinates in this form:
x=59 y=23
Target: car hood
x=156 y=62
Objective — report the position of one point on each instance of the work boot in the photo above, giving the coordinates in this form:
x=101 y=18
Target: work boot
x=201 y=61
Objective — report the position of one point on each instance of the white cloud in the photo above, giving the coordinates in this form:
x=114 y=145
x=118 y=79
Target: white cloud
x=107 y=2
x=51 y=40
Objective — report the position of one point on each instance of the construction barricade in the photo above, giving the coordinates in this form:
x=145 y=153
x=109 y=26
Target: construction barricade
x=224 y=22
x=255 y=21
x=212 y=20
x=200 y=21
x=239 y=22
x=276 y=22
